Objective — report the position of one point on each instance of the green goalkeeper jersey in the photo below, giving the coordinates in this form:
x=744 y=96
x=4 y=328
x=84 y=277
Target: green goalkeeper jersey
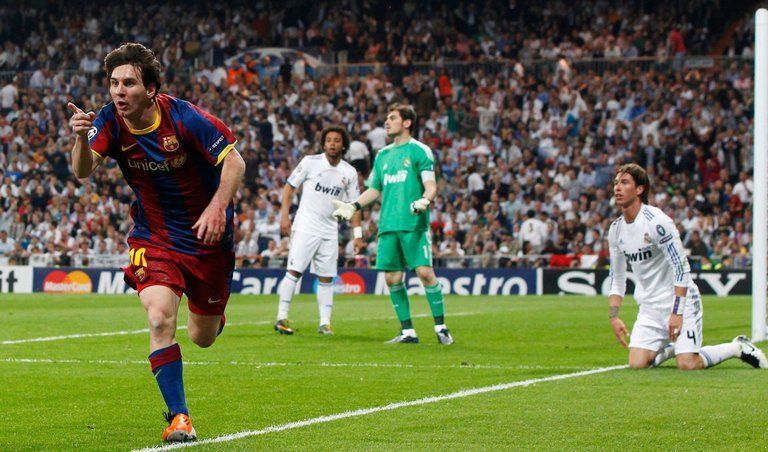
x=397 y=176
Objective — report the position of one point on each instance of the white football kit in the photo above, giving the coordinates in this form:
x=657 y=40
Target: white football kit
x=651 y=244
x=315 y=234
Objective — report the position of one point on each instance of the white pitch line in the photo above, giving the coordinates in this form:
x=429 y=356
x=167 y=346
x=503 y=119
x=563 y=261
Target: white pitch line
x=378 y=409
x=106 y=334
x=74 y=336
x=183 y=327
x=286 y=364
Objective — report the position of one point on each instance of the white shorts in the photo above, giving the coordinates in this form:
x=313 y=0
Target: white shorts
x=650 y=331
x=322 y=252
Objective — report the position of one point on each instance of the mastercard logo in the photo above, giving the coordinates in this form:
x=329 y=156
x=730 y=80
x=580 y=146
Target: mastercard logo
x=349 y=283
x=62 y=282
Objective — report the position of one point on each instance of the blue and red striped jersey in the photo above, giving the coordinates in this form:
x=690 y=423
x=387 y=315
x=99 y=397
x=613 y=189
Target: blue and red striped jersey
x=173 y=167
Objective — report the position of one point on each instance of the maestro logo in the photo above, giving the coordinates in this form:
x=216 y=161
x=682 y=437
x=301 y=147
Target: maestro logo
x=348 y=283
x=62 y=282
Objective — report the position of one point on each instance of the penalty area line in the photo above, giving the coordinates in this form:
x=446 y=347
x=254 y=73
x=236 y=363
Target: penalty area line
x=379 y=409
x=105 y=334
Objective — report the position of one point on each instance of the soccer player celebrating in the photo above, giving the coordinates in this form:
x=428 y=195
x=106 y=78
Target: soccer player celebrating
x=182 y=165
x=315 y=234
x=670 y=319
x=404 y=176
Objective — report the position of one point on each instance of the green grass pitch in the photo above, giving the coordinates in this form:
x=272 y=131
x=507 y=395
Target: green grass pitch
x=96 y=392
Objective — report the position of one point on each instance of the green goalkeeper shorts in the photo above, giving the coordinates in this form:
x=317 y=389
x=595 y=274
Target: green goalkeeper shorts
x=404 y=249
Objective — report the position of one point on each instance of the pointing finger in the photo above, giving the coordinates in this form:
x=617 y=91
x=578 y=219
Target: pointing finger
x=74 y=108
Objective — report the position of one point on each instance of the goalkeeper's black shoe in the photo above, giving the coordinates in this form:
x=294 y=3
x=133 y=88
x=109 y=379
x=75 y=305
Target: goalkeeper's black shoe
x=403 y=339
x=282 y=326
x=444 y=336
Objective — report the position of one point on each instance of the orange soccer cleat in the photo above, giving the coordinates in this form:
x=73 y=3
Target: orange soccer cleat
x=180 y=430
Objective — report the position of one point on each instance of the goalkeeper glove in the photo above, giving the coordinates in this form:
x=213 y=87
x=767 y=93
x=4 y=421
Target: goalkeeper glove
x=419 y=206
x=344 y=210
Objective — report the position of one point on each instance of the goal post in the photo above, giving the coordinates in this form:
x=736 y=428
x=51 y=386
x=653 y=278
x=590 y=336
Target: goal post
x=760 y=178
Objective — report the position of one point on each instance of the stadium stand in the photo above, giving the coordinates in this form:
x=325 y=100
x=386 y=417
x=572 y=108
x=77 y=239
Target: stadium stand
x=527 y=126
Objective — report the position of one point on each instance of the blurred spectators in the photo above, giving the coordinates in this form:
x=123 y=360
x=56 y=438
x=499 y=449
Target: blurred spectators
x=357 y=32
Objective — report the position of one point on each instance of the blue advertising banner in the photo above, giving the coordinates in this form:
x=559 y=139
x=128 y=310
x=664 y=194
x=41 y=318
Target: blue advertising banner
x=110 y=281
x=471 y=281
x=520 y=281
x=454 y=282
x=79 y=280
x=265 y=281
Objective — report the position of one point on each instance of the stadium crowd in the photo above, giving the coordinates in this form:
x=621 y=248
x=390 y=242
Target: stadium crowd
x=525 y=157
x=68 y=36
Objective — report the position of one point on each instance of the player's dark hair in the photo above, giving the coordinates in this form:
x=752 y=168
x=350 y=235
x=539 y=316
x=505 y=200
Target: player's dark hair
x=406 y=112
x=338 y=129
x=138 y=56
x=639 y=176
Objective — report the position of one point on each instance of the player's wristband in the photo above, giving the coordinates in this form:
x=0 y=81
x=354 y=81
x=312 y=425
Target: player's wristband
x=357 y=232
x=357 y=206
x=678 y=306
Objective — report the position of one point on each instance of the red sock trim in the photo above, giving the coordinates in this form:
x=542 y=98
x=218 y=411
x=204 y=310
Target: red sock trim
x=165 y=356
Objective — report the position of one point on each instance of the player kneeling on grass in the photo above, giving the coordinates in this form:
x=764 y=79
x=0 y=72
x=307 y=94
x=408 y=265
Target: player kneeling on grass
x=669 y=322
x=315 y=233
x=182 y=165
x=404 y=175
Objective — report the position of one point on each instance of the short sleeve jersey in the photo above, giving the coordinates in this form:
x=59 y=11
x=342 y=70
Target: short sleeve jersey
x=321 y=183
x=173 y=168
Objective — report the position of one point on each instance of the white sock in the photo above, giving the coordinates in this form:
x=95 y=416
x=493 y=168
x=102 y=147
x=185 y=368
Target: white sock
x=715 y=354
x=664 y=354
x=439 y=328
x=325 y=302
x=285 y=292
x=409 y=332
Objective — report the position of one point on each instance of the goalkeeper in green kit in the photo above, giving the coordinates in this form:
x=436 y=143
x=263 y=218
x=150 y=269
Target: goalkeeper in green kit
x=404 y=176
